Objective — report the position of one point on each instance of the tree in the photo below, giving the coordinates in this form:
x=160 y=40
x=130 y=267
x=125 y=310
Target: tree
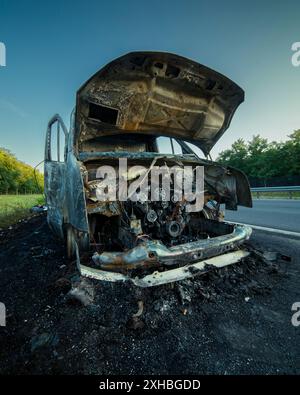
x=260 y=159
x=236 y=156
x=16 y=175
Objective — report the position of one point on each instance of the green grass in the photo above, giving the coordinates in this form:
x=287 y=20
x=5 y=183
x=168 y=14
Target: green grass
x=276 y=195
x=16 y=207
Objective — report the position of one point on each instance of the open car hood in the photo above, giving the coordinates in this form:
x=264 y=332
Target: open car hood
x=159 y=94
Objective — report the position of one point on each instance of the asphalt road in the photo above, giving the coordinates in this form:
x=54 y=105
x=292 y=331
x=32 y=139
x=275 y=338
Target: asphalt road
x=271 y=213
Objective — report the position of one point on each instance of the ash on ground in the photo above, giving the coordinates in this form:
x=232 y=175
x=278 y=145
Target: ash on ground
x=235 y=320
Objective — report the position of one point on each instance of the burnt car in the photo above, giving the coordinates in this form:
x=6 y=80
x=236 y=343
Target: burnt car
x=146 y=108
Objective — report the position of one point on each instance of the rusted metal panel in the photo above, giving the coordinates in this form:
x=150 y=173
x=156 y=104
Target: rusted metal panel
x=157 y=93
x=152 y=252
x=55 y=176
x=168 y=276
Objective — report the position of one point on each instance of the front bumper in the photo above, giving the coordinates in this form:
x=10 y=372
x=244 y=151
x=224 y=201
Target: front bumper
x=197 y=257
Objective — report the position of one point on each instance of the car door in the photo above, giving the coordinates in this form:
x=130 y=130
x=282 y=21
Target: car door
x=55 y=173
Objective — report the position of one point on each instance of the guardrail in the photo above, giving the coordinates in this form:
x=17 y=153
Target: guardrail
x=289 y=189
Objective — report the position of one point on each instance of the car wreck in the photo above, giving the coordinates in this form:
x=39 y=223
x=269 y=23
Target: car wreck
x=148 y=109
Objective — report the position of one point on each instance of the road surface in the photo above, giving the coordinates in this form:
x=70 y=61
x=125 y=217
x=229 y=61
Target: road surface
x=271 y=213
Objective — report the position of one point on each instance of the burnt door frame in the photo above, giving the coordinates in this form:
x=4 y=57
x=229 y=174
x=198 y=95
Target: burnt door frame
x=55 y=175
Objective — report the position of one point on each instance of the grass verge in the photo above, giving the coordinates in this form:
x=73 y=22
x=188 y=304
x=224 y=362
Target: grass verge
x=276 y=195
x=16 y=207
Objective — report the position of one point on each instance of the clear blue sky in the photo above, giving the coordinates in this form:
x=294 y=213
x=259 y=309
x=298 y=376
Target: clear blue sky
x=54 y=46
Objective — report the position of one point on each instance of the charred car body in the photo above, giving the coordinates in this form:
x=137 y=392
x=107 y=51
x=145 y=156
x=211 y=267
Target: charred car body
x=122 y=112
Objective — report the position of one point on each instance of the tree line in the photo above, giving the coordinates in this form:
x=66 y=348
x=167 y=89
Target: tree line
x=265 y=161
x=18 y=177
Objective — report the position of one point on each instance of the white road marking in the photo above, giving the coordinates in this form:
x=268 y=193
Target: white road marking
x=272 y=230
